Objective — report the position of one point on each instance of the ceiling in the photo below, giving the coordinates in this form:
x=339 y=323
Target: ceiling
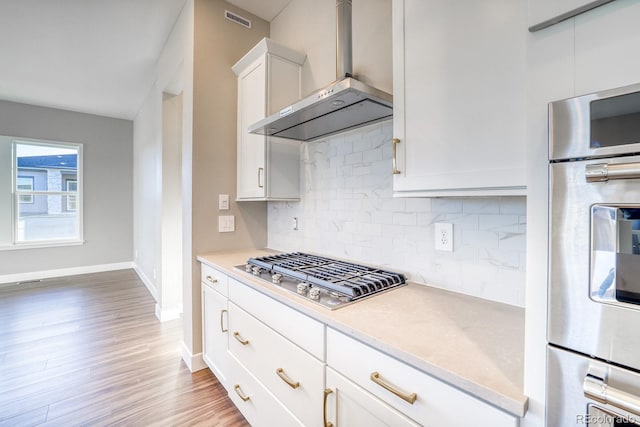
x=265 y=9
x=93 y=56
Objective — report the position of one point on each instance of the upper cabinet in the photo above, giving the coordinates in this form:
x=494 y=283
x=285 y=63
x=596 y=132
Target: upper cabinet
x=459 y=77
x=268 y=79
x=544 y=13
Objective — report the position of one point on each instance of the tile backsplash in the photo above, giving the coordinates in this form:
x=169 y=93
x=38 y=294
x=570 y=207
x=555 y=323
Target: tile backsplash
x=347 y=210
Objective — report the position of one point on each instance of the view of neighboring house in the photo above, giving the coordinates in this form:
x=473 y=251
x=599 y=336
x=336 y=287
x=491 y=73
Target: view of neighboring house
x=47 y=173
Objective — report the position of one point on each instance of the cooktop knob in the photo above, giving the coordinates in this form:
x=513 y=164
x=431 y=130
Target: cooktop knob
x=256 y=270
x=276 y=278
x=302 y=288
x=314 y=293
x=248 y=268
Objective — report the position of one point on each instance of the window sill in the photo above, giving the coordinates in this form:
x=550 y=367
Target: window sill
x=52 y=244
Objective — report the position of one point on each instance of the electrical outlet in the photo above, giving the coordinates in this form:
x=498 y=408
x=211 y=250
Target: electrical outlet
x=443 y=236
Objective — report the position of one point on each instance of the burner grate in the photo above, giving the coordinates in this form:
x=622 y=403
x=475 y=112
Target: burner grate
x=351 y=280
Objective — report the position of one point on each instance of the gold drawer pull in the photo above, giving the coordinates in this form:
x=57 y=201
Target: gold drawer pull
x=286 y=379
x=240 y=339
x=222 y=329
x=211 y=279
x=327 y=392
x=375 y=377
x=240 y=393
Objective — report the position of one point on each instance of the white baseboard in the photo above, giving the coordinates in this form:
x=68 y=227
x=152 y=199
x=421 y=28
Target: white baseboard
x=194 y=362
x=48 y=274
x=166 y=314
x=151 y=287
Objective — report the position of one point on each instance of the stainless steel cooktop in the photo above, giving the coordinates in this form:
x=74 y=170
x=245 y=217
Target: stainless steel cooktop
x=329 y=282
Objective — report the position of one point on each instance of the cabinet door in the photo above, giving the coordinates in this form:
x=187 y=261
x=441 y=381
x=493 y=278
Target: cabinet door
x=215 y=323
x=350 y=406
x=459 y=97
x=252 y=100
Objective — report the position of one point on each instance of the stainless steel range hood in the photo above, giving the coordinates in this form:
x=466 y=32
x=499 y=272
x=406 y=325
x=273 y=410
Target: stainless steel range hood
x=345 y=104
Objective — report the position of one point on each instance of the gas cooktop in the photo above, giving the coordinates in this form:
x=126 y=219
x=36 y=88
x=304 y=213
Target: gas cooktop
x=330 y=282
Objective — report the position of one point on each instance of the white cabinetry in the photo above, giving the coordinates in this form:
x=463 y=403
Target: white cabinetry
x=292 y=375
x=281 y=367
x=459 y=97
x=415 y=394
x=277 y=353
x=543 y=13
x=268 y=79
x=215 y=322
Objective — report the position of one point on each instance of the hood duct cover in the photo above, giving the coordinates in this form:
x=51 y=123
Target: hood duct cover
x=345 y=104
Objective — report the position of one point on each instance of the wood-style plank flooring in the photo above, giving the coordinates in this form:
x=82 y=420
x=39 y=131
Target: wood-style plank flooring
x=88 y=350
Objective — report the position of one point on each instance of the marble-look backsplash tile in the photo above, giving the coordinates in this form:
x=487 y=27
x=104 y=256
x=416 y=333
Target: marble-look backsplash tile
x=347 y=209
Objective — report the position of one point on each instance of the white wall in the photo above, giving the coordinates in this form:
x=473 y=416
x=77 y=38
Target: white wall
x=107 y=160
x=174 y=74
x=171 y=221
x=309 y=26
x=588 y=53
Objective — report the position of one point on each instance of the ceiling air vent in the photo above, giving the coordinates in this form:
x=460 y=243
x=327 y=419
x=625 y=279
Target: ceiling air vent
x=237 y=19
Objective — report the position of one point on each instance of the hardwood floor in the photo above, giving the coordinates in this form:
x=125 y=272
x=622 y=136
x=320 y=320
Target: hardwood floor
x=88 y=350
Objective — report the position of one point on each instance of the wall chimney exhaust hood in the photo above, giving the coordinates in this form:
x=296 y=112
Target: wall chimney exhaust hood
x=343 y=105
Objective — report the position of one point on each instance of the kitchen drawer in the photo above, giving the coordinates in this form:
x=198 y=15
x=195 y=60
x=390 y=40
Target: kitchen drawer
x=214 y=279
x=264 y=352
x=254 y=401
x=302 y=330
x=436 y=403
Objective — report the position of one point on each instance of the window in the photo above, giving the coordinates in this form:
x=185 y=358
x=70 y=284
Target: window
x=25 y=183
x=47 y=198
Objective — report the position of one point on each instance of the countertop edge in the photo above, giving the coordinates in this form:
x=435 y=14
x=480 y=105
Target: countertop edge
x=515 y=406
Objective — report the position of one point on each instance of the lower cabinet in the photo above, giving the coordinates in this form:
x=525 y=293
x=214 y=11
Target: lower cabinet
x=281 y=367
x=214 y=332
x=418 y=396
x=347 y=404
x=291 y=374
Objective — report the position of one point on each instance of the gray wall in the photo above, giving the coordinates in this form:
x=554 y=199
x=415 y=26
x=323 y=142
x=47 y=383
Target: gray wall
x=108 y=174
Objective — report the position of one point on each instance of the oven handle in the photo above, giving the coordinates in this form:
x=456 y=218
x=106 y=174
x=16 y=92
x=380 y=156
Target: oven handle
x=597 y=389
x=602 y=172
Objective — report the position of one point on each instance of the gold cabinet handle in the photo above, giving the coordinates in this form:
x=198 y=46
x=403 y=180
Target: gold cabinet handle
x=222 y=329
x=211 y=279
x=375 y=377
x=286 y=379
x=327 y=392
x=240 y=393
x=395 y=142
x=240 y=339
x=260 y=177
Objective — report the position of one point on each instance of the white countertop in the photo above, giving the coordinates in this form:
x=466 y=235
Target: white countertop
x=471 y=343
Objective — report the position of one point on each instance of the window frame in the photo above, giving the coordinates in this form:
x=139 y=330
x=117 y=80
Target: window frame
x=78 y=238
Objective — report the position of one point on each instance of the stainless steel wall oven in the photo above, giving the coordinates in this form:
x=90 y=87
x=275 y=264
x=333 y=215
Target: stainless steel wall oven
x=594 y=260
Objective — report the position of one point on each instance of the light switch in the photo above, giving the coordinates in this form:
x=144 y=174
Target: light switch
x=226 y=223
x=223 y=202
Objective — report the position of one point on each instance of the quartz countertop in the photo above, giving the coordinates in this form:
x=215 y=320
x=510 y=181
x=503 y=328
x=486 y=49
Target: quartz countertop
x=471 y=343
